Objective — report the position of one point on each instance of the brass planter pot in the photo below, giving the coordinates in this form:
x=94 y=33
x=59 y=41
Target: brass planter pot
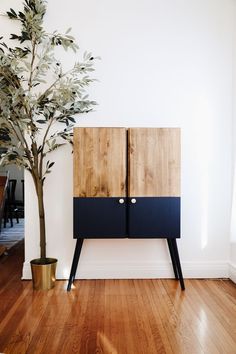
x=43 y=273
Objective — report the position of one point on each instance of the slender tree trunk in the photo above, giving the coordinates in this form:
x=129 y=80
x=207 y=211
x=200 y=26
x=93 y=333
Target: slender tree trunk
x=41 y=212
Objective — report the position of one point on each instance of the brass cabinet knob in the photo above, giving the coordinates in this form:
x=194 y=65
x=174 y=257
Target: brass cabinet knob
x=121 y=201
x=133 y=200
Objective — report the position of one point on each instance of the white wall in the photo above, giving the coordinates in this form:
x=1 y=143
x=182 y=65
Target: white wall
x=232 y=264
x=164 y=64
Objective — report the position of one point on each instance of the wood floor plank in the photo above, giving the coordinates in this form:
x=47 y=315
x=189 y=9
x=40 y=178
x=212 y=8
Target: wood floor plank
x=183 y=339
x=220 y=314
x=203 y=303
x=225 y=305
x=92 y=323
x=155 y=343
x=157 y=331
x=193 y=317
x=115 y=316
x=73 y=328
x=46 y=324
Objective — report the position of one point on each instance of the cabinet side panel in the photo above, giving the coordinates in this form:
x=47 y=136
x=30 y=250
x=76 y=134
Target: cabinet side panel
x=99 y=162
x=154 y=162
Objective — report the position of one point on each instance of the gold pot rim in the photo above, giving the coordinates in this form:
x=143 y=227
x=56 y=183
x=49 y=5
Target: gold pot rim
x=43 y=261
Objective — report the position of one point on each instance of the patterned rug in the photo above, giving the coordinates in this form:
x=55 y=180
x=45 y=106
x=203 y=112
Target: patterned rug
x=10 y=236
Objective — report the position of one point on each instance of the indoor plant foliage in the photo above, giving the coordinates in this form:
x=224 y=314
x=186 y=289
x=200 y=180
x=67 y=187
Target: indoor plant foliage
x=38 y=99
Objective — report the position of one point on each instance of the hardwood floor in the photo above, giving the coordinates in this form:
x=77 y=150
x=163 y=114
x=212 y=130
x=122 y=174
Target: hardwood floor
x=115 y=316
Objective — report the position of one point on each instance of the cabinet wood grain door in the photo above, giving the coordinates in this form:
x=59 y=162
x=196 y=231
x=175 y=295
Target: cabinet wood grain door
x=100 y=156
x=154 y=182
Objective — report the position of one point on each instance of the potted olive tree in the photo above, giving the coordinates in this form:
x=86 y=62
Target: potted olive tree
x=38 y=102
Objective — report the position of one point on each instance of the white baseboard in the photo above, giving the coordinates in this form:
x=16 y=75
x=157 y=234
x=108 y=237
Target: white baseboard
x=205 y=269
x=143 y=270
x=232 y=272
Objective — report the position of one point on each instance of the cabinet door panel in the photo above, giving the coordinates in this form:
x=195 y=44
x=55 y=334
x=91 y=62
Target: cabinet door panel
x=154 y=162
x=100 y=162
x=99 y=218
x=154 y=217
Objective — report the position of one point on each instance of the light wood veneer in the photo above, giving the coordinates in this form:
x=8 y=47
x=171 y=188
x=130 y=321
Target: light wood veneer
x=154 y=162
x=99 y=162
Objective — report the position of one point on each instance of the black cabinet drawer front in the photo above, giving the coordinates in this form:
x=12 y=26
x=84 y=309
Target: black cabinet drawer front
x=154 y=217
x=99 y=218
x=147 y=217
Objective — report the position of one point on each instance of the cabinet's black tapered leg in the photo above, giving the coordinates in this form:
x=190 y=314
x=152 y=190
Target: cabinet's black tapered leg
x=78 y=248
x=172 y=256
x=177 y=262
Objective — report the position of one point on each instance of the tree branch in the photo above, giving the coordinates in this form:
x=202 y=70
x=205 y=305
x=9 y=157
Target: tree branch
x=53 y=84
x=32 y=64
x=43 y=145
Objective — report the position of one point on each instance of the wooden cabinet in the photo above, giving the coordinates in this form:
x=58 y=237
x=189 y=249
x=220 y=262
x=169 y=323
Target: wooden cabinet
x=127 y=184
